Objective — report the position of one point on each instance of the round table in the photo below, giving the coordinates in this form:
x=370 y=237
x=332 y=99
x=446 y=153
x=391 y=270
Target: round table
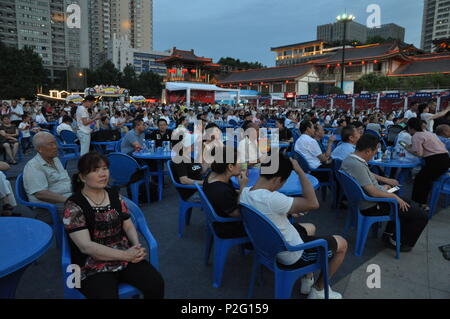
x=405 y=166
x=292 y=187
x=23 y=240
x=102 y=147
x=160 y=157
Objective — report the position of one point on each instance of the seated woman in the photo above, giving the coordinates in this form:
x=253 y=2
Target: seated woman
x=9 y=135
x=103 y=239
x=221 y=193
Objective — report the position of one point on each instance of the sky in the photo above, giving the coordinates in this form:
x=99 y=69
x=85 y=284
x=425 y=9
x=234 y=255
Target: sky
x=247 y=29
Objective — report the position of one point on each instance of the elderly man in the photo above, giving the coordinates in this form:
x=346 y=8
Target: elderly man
x=7 y=198
x=443 y=133
x=44 y=178
x=134 y=139
x=350 y=136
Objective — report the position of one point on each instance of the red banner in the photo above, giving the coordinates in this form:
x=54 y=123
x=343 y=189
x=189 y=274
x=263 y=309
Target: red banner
x=196 y=96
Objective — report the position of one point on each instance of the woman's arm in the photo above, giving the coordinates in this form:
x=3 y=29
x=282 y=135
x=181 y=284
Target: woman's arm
x=440 y=114
x=131 y=232
x=83 y=241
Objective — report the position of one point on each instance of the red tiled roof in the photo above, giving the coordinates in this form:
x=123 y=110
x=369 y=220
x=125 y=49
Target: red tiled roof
x=424 y=65
x=184 y=55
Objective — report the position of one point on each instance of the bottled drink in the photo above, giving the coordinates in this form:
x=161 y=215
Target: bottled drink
x=379 y=153
x=388 y=155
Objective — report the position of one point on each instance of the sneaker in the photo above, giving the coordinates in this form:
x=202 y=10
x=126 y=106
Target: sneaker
x=320 y=294
x=306 y=285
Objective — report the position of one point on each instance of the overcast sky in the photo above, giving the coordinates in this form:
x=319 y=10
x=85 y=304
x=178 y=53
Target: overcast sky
x=247 y=29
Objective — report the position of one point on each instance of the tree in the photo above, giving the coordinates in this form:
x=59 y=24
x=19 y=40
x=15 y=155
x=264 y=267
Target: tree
x=149 y=85
x=129 y=79
x=106 y=74
x=236 y=63
x=22 y=72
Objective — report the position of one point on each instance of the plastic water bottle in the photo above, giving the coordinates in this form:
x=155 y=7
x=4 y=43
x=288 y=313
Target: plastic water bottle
x=379 y=154
x=151 y=146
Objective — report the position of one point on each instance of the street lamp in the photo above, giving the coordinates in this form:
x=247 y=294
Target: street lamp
x=345 y=18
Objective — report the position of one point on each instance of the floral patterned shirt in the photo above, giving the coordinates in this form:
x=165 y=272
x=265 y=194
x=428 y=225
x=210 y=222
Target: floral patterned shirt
x=107 y=231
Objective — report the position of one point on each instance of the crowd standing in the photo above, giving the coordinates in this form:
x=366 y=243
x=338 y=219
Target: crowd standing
x=103 y=238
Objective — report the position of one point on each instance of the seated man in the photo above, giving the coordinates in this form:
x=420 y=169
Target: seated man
x=66 y=124
x=135 y=139
x=185 y=170
x=350 y=136
x=160 y=135
x=44 y=178
x=307 y=146
x=443 y=133
x=412 y=220
x=284 y=134
x=7 y=198
x=264 y=197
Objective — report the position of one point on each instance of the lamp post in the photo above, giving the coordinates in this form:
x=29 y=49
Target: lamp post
x=345 y=18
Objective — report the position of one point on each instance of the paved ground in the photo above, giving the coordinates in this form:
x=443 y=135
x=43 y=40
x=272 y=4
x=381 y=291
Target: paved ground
x=422 y=273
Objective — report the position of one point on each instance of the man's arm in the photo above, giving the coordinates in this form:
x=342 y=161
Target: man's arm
x=385 y=180
x=372 y=191
x=187 y=181
x=308 y=201
x=50 y=197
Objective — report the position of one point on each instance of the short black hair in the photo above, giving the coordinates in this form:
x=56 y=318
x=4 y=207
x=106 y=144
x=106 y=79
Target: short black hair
x=358 y=124
x=162 y=120
x=67 y=118
x=137 y=120
x=284 y=167
x=221 y=166
x=347 y=132
x=367 y=141
x=304 y=125
x=415 y=124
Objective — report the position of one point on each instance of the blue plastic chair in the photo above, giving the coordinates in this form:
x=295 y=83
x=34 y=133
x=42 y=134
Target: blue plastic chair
x=233 y=122
x=118 y=147
x=268 y=241
x=22 y=198
x=355 y=195
x=68 y=137
x=380 y=138
x=330 y=183
x=221 y=245
x=122 y=167
x=66 y=152
x=125 y=290
x=441 y=186
x=185 y=207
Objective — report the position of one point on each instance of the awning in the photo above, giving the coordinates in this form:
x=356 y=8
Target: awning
x=183 y=86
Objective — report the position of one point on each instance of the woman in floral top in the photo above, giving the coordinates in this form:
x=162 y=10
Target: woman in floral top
x=103 y=239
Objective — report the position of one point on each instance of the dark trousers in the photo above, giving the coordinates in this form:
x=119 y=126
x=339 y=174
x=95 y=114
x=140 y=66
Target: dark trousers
x=141 y=275
x=435 y=166
x=26 y=143
x=323 y=176
x=412 y=222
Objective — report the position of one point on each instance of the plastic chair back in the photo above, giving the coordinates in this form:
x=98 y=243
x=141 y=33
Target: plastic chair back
x=265 y=236
x=68 y=137
x=20 y=189
x=118 y=146
x=122 y=167
x=175 y=183
x=392 y=133
x=233 y=122
x=352 y=189
x=302 y=162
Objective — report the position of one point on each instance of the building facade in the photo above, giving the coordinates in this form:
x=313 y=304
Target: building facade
x=121 y=53
x=125 y=18
x=387 y=31
x=334 y=32
x=435 y=23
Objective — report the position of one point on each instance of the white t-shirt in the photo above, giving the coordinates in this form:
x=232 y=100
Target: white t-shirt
x=83 y=113
x=63 y=127
x=407 y=138
x=248 y=151
x=275 y=206
x=409 y=114
x=310 y=149
x=430 y=123
x=40 y=119
x=25 y=129
x=19 y=110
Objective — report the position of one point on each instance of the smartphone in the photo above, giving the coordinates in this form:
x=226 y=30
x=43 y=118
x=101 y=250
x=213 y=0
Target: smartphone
x=403 y=144
x=393 y=189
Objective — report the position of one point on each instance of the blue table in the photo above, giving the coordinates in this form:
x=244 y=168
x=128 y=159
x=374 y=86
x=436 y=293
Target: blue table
x=160 y=157
x=405 y=165
x=292 y=187
x=338 y=138
x=23 y=240
x=104 y=147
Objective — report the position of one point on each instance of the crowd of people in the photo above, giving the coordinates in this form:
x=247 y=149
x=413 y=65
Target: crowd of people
x=104 y=241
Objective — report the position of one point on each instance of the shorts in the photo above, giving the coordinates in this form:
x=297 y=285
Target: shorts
x=310 y=256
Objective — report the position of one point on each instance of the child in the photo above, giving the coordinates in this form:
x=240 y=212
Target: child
x=25 y=127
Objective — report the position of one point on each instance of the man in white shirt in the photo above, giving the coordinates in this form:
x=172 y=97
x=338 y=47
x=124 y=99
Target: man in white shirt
x=412 y=112
x=65 y=125
x=277 y=207
x=309 y=148
x=84 y=122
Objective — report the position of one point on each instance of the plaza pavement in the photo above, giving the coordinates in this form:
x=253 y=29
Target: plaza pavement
x=422 y=273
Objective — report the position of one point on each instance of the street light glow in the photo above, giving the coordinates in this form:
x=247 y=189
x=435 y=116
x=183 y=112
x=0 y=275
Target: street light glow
x=345 y=18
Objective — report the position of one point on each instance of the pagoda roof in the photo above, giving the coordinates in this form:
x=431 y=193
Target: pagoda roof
x=182 y=55
x=424 y=65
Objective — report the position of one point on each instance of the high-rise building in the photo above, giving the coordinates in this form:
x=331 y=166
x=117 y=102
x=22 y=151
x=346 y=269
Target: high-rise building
x=41 y=25
x=435 y=23
x=125 y=18
x=387 y=31
x=334 y=32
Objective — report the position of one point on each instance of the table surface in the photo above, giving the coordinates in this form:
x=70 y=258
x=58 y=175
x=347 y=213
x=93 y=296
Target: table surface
x=292 y=187
x=153 y=155
x=23 y=240
x=105 y=143
x=405 y=163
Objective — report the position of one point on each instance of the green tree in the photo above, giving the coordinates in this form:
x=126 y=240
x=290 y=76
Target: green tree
x=129 y=79
x=149 y=85
x=106 y=74
x=236 y=63
x=22 y=72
